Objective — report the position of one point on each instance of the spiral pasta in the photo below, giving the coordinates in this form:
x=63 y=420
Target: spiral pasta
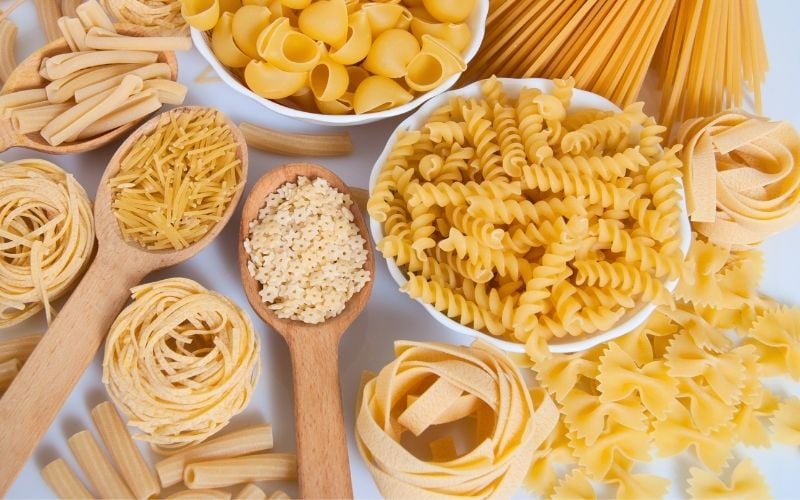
x=528 y=219
x=180 y=361
x=477 y=381
x=46 y=237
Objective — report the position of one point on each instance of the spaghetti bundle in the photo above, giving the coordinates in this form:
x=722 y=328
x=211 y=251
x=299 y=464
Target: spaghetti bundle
x=711 y=52
x=46 y=237
x=606 y=45
x=180 y=361
x=156 y=16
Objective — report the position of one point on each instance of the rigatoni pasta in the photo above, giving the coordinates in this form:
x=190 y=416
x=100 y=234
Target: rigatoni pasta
x=250 y=492
x=8 y=43
x=205 y=494
x=229 y=471
x=48 y=12
x=63 y=481
x=106 y=481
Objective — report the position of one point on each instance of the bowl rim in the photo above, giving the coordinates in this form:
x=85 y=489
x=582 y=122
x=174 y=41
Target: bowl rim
x=512 y=86
x=476 y=22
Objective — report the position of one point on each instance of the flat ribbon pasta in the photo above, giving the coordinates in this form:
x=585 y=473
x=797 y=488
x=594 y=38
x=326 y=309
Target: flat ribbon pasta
x=434 y=383
x=180 y=361
x=46 y=237
x=742 y=176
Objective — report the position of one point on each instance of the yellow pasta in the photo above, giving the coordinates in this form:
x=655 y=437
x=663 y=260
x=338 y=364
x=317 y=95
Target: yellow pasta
x=74 y=33
x=63 y=481
x=159 y=17
x=391 y=53
x=20 y=100
x=272 y=82
x=433 y=65
x=251 y=492
x=283 y=143
x=200 y=14
x=287 y=49
x=103 y=39
x=233 y=444
x=48 y=12
x=28 y=120
x=358 y=41
x=63 y=65
x=101 y=474
x=325 y=21
x=48 y=241
x=159 y=213
x=228 y=471
x=384 y=16
x=198 y=391
x=8 y=42
x=167 y=91
x=137 y=474
x=63 y=89
x=92 y=14
x=247 y=24
x=135 y=108
x=457 y=35
x=376 y=93
x=150 y=71
x=205 y=494
x=223 y=45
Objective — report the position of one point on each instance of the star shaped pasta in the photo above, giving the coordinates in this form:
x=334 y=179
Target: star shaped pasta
x=678 y=432
x=776 y=335
x=746 y=482
x=786 y=422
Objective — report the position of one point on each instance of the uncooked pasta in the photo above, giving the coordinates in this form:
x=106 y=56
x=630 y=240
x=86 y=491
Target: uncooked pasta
x=46 y=237
x=180 y=361
x=156 y=16
x=177 y=181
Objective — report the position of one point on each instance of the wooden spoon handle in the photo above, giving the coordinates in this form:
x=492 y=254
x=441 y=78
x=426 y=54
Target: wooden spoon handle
x=49 y=375
x=8 y=136
x=323 y=466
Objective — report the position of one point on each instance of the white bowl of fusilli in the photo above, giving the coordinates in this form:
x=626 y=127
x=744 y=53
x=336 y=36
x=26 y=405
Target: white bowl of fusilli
x=418 y=204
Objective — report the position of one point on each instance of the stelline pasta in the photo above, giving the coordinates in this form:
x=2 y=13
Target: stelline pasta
x=524 y=218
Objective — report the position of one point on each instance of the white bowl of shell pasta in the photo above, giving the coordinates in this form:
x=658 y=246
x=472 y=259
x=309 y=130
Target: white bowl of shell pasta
x=519 y=212
x=303 y=105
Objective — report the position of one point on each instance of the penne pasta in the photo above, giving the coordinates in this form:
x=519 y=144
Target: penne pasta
x=74 y=33
x=102 y=39
x=288 y=144
x=18 y=348
x=29 y=120
x=48 y=11
x=15 y=100
x=229 y=471
x=135 y=108
x=168 y=92
x=201 y=495
x=8 y=41
x=69 y=7
x=137 y=474
x=64 y=89
x=63 y=65
x=155 y=70
x=92 y=14
x=250 y=492
x=67 y=126
x=8 y=370
x=63 y=481
x=251 y=440
x=101 y=474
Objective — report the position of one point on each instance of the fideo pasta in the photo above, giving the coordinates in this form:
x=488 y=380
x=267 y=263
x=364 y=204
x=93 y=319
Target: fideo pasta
x=48 y=237
x=180 y=361
x=176 y=182
x=524 y=218
x=294 y=50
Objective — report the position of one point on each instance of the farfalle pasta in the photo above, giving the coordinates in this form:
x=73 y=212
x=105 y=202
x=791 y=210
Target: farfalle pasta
x=746 y=482
x=335 y=56
x=508 y=221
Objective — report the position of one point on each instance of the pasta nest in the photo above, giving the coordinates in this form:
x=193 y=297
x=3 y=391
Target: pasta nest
x=180 y=361
x=432 y=384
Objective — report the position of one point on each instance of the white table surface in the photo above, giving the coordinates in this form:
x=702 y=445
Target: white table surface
x=390 y=315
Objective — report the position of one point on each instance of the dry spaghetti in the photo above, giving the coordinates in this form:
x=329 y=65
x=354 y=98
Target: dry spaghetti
x=46 y=237
x=180 y=361
x=431 y=384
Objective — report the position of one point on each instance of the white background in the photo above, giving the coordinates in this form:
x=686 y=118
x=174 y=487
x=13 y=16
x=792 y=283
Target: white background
x=390 y=315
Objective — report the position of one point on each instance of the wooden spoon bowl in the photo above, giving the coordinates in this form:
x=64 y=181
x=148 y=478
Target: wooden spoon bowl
x=26 y=76
x=48 y=376
x=324 y=470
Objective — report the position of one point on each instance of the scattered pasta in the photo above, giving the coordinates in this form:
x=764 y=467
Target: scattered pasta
x=746 y=482
x=335 y=56
x=742 y=177
x=319 y=264
x=177 y=181
x=785 y=424
x=523 y=218
x=180 y=361
x=432 y=384
x=46 y=237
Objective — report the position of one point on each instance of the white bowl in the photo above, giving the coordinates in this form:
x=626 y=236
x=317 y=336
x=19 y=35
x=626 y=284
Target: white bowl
x=477 y=24
x=581 y=99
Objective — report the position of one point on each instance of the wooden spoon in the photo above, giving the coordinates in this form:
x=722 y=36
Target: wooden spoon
x=71 y=341
x=324 y=469
x=26 y=76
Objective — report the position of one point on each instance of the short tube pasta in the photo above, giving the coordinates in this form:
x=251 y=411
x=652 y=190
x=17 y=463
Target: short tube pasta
x=229 y=471
x=63 y=65
x=204 y=494
x=150 y=71
x=97 y=468
x=103 y=39
x=283 y=143
x=168 y=92
x=16 y=100
x=92 y=14
x=134 y=469
x=137 y=107
x=250 y=440
x=29 y=120
x=63 y=89
x=49 y=11
x=63 y=481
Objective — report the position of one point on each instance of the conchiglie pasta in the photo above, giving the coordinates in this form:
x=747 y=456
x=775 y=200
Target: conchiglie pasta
x=434 y=64
x=358 y=41
x=248 y=23
x=458 y=35
x=377 y=93
x=200 y=14
x=340 y=106
x=356 y=75
x=386 y=16
x=286 y=48
x=229 y=6
x=449 y=11
x=271 y=82
x=223 y=45
x=325 y=21
x=296 y=4
x=391 y=52
x=328 y=80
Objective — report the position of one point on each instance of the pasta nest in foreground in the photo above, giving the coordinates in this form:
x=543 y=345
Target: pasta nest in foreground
x=180 y=361
x=527 y=218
